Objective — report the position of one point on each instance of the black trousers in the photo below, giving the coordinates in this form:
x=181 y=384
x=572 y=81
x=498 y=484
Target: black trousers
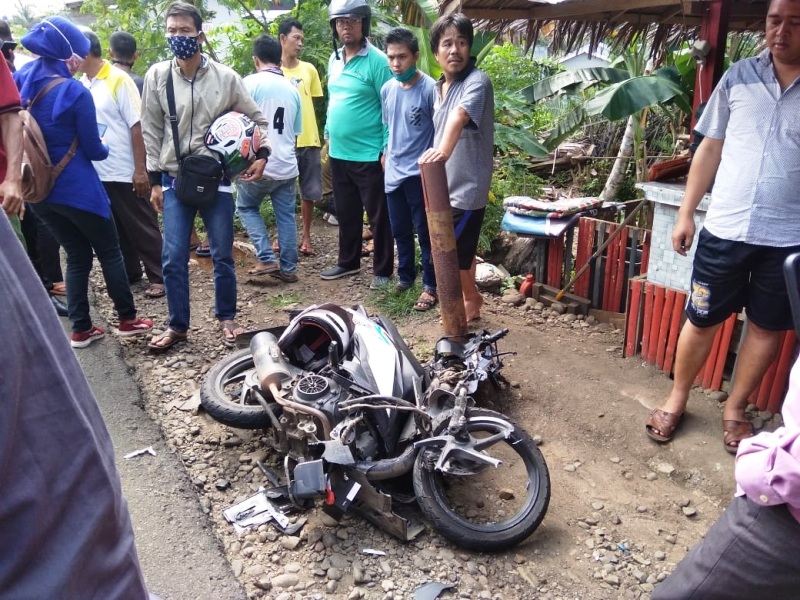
x=139 y=235
x=358 y=186
x=43 y=249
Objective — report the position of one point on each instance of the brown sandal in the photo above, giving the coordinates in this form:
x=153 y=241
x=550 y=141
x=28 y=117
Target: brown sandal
x=264 y=269
x=156 y=290
x=663 y=421
x=734 y=432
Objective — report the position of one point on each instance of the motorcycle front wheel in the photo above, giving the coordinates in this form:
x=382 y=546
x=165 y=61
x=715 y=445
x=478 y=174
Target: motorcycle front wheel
x=478 y=505
x=227 y=395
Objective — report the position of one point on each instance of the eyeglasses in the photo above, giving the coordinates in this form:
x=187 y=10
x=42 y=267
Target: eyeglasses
x=345 y=21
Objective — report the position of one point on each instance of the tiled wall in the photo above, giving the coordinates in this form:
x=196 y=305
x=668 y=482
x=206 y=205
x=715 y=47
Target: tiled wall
x=667 y=267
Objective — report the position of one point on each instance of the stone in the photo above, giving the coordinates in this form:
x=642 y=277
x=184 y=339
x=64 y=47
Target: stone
x=328 y=521
x=569 y=468
x=558 y=308
x=506 y=494
x=254 y=570
x=514 y=299
x=387 y=585
x=237 y=565
x=615 y=459
x=597 y=505
x=757 y=423
x=290 y=542
x=718 y=396
x=665 y=469
x=334 y=574
x=689 y=511
x=285 y=581
x=331 y=586
x=264 y=583
x=537 y=439
x=659 y=555
x=222 y=484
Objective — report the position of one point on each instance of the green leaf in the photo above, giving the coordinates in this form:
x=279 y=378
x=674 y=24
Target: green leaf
x=568 y=125
x=506 y=136
x=621 y=100
x=552 y=85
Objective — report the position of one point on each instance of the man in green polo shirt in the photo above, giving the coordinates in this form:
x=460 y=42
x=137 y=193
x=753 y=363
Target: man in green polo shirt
x=356 y=73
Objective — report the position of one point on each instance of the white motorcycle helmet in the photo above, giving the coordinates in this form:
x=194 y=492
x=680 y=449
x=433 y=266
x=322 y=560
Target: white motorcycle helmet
x=307 y=339
x=236 y=139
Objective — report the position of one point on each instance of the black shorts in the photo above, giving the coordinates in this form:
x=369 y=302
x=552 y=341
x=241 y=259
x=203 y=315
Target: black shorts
x=728 y=276
x=467 y=224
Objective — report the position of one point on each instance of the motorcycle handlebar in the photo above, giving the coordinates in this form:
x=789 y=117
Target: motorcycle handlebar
x=496 y=336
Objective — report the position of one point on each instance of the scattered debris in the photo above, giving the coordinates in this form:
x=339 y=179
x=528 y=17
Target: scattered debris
x=255 y=510
x=149 y=450
x=431 y=590
x=373 y=552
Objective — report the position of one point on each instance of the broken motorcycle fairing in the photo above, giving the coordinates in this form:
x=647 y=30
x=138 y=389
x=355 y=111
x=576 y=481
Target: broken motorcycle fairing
x=363 y=425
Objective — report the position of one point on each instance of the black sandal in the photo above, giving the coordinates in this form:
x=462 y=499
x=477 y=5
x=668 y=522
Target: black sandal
x=425 y=304
x=171 y=337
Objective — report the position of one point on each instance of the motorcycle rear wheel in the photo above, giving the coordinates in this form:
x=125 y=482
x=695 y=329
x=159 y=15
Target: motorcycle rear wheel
x=490 y=509
x=225 y=396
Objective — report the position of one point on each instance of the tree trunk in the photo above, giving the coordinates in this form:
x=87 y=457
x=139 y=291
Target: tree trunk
x=615 y=179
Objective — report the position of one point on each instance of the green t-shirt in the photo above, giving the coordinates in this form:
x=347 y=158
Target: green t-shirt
x=355 y=126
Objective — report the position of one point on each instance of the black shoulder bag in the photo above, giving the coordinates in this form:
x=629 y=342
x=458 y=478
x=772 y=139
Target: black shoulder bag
x=198 y=176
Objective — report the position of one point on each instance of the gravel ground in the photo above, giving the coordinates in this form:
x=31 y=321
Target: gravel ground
x=623 y=511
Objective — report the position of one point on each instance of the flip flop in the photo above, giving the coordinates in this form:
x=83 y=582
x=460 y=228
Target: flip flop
x=733 y=432
x=424 y=304
x=305 y=251
x=203 y=250
x=59 y=289
x=367 y=248
x=264 y=269
x=171 y=337
x=663 y=421
x=229 y=329
x=156 y=290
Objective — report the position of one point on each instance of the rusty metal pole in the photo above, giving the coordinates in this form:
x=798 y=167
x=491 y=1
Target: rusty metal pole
x=443 y=247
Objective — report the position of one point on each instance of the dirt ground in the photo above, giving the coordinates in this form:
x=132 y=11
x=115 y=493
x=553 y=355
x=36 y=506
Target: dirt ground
x=623 y=510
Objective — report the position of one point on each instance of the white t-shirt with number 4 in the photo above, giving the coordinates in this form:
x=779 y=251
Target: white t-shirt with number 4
x=280 y=104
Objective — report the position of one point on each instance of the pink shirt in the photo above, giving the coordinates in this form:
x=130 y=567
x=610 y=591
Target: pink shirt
x=768 y=465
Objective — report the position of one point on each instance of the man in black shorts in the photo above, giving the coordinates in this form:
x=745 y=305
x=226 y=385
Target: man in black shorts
x=750 y=154
x=463 y=121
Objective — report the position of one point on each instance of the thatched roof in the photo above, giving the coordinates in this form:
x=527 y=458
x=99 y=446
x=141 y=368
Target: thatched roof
x=574 y=22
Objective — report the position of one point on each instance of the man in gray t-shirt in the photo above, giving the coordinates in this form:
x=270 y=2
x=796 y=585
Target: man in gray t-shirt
x=407 y=106
x=463 y=120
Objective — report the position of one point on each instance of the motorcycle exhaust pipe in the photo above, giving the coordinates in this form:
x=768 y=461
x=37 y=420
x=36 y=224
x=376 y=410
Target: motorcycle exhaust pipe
x=272 y=370
x=271 y=365
x=388 y=468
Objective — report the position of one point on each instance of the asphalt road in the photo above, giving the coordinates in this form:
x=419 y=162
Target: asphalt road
x=179 y=553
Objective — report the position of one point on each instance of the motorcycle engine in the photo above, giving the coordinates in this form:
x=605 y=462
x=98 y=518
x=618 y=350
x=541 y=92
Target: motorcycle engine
x=320 y=392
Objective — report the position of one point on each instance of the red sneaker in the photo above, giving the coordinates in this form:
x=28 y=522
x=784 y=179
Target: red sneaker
x=83 y=339
x=135 y=327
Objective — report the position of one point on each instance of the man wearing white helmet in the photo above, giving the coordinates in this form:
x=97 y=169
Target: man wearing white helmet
x=203 y=90
x=356 y=72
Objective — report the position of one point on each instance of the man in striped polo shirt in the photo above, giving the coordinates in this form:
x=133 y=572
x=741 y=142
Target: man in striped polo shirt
x=751 y=155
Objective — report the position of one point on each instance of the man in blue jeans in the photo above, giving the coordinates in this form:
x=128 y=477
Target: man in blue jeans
x=407 y=102
x=197 y=81
x=279 y=101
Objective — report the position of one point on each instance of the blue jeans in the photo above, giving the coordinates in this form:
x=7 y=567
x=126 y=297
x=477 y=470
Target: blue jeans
x=80 y=232
x=177 y=223
x=282 y=195
x=407 y=214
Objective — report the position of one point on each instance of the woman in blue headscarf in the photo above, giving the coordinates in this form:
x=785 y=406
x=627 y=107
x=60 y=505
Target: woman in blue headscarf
x=77 y=212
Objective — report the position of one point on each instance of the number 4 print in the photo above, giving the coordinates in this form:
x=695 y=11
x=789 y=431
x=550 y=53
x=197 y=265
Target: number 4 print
x=277 y=121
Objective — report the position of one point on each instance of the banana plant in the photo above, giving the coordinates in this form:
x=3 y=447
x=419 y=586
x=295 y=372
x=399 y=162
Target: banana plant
x=623 y=91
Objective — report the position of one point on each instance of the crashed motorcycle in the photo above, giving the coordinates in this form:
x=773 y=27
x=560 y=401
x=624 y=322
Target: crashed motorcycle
x=366 y=427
